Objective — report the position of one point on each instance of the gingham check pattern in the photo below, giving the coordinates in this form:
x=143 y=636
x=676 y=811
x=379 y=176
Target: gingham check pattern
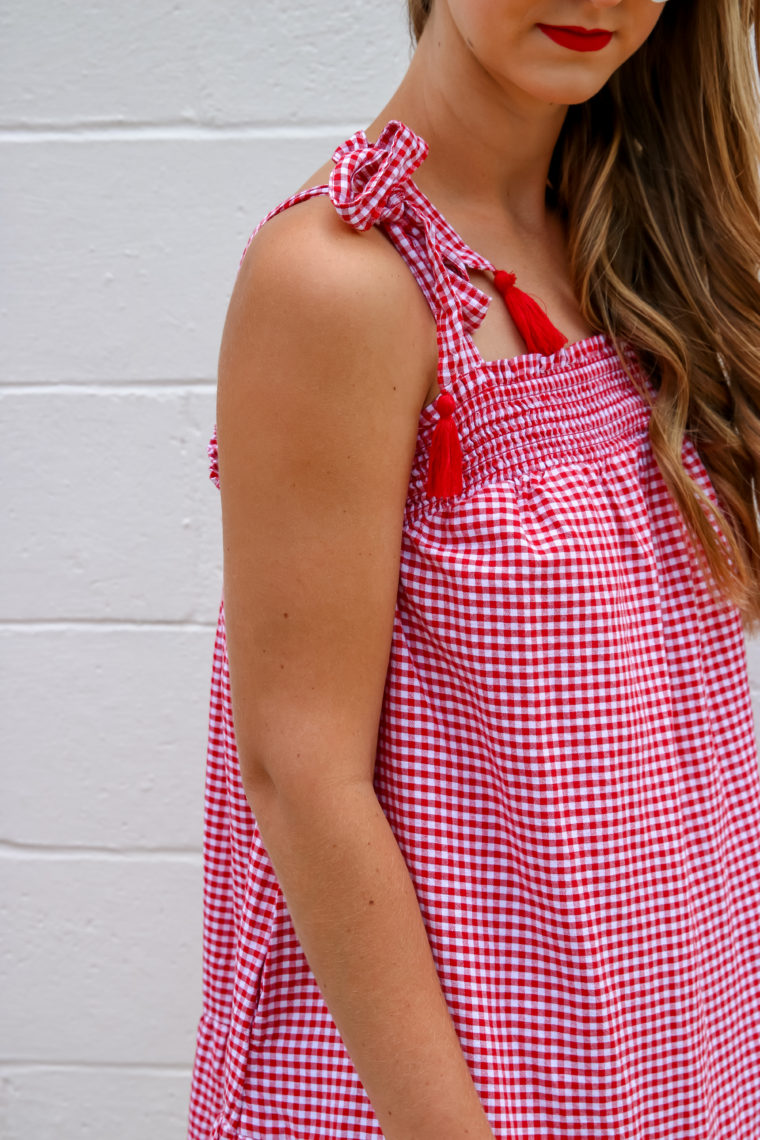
x=566 y=757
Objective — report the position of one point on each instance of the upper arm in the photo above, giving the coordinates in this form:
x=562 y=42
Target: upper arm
x=323 y=368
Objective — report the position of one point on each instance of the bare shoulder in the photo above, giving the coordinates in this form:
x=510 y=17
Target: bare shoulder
x=309 y=276
x=327 y=357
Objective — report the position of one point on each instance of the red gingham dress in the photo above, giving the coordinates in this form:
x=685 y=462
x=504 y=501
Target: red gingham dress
x=566 y=757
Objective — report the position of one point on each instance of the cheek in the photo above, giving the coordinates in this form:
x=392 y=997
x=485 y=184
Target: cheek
x=644 y=19
x=484 y=22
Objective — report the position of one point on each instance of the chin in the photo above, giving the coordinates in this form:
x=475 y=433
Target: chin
x=569 y=92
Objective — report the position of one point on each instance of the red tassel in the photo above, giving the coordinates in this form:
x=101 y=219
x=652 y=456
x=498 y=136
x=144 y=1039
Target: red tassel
x=445 y=456
x=534 y=326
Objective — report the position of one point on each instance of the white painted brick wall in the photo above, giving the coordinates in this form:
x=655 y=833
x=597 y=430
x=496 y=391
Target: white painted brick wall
x=139 y=145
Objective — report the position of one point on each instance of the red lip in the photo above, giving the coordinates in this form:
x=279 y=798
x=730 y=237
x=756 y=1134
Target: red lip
x=577 y=39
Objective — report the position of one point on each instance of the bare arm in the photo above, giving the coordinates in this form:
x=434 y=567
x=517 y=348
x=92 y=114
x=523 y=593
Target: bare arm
x=323 y=369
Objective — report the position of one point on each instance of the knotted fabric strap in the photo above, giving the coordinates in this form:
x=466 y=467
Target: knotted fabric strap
x=371 y=185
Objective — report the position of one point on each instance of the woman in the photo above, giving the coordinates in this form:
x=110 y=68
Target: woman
x=483 y=846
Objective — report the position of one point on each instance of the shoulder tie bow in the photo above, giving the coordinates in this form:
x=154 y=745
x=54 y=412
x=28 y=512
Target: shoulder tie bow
x=369 y=181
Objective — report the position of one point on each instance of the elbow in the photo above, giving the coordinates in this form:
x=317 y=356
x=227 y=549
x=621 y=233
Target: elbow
x=281 y=777
x=290 y=807
x=255 y=774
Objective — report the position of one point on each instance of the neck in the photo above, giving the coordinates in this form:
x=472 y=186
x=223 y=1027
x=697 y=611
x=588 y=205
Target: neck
x=490 y=147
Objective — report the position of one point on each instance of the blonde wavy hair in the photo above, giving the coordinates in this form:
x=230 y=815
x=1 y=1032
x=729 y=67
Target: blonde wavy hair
x=657 y=177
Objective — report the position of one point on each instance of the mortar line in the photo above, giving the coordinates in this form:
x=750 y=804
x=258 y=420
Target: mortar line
x=92 y=853
x=105 y=386
x=164 y=1068
x=135 y=131
x=54 y=625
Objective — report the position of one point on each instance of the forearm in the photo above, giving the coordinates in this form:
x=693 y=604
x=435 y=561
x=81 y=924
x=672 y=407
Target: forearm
x=356 y=914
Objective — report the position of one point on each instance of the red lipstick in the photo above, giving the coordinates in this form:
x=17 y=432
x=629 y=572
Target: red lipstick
x=577 y=39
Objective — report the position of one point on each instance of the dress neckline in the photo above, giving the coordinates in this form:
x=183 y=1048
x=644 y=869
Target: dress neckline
x=470 y=258
x=569 y=353
x=372 y=183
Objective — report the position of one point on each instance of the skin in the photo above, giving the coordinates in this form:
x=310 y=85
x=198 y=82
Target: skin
x=489 y=92
x=491 y=149
x=327 y=356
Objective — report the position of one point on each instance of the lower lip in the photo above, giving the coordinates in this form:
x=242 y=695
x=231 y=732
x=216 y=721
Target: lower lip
x=576 y=41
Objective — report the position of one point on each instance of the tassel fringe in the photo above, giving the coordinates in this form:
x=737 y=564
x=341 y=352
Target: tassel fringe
x=533 y=324
x=445 y=456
